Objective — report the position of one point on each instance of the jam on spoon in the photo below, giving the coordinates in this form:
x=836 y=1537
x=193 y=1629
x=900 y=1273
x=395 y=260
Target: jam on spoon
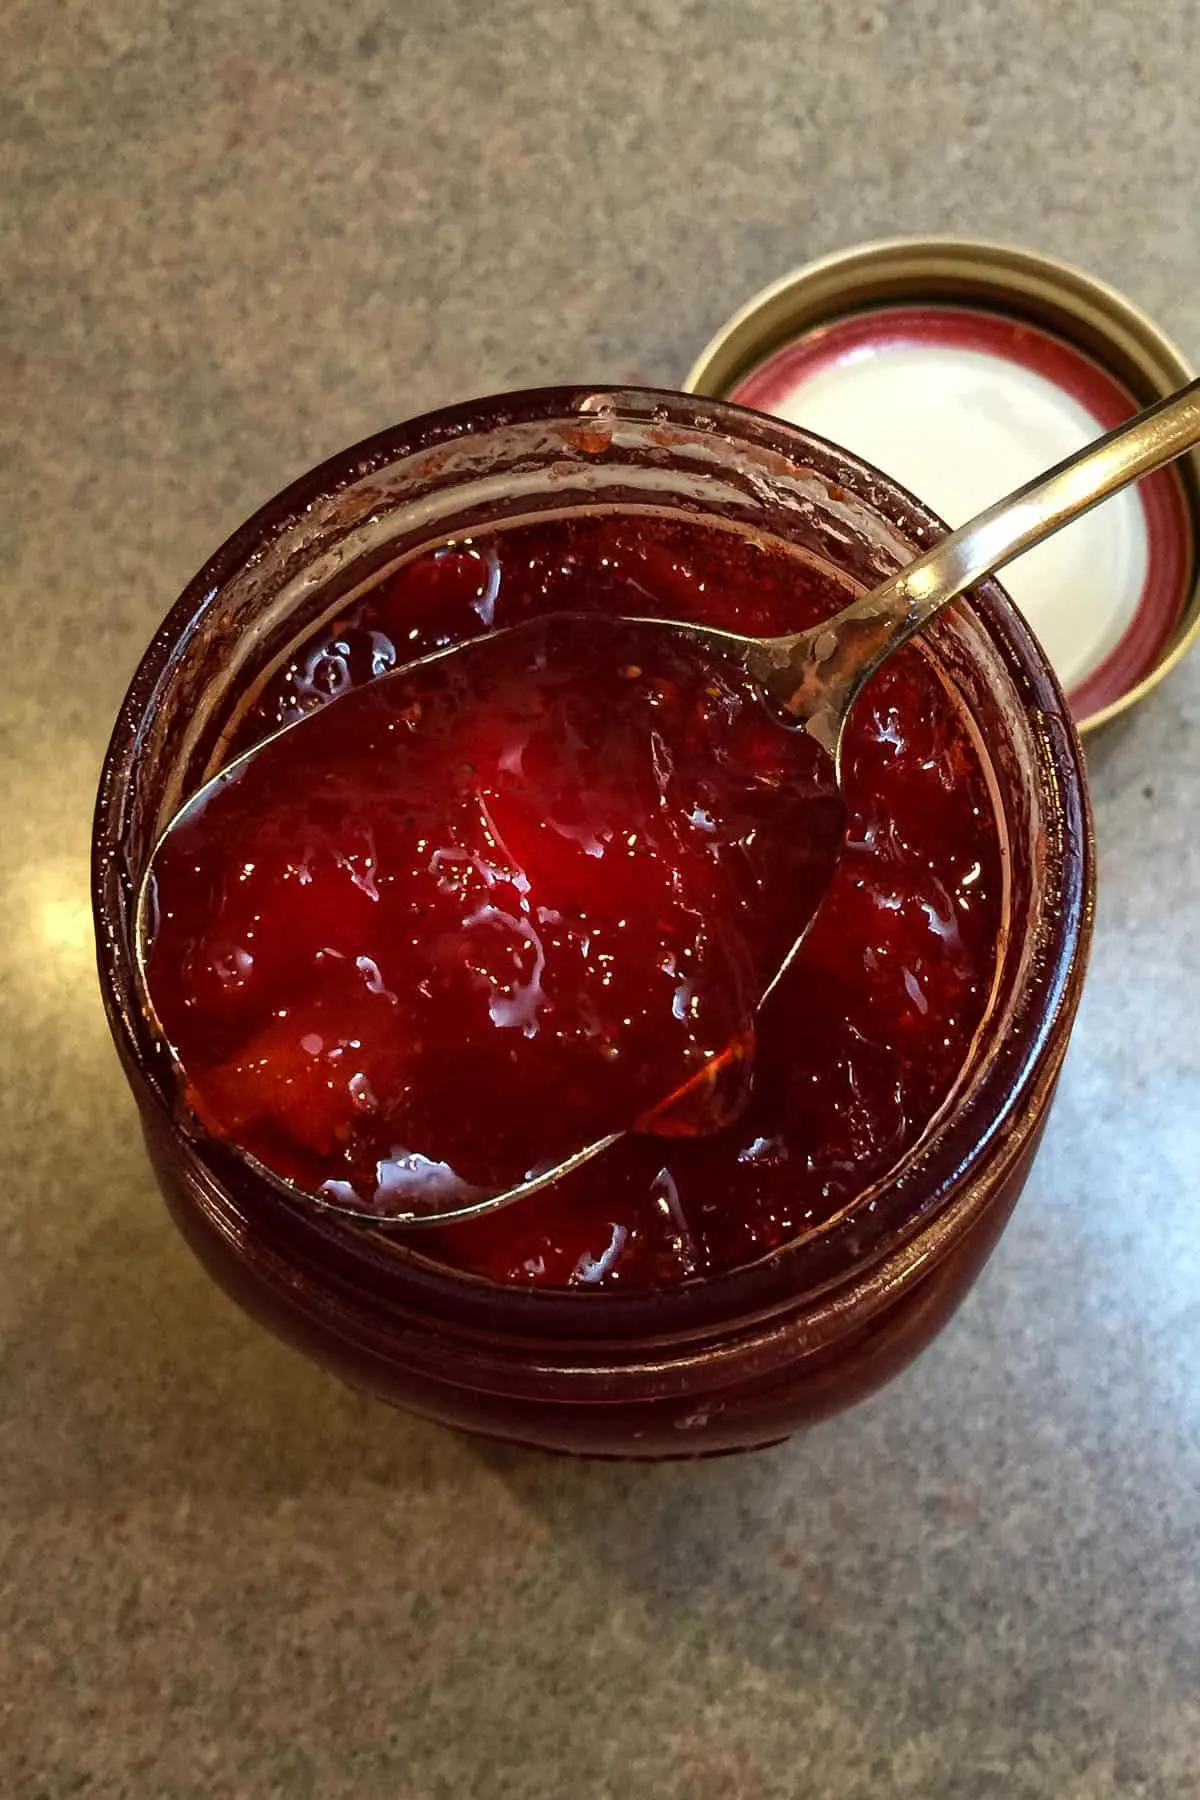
x=472 y=919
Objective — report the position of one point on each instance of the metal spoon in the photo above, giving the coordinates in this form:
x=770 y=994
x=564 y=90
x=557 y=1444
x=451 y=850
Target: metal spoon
x=813 y=678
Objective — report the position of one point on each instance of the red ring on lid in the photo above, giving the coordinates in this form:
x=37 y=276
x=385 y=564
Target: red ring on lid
x=773 y=387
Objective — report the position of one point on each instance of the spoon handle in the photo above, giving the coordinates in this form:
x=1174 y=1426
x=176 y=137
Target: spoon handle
x=824 y=669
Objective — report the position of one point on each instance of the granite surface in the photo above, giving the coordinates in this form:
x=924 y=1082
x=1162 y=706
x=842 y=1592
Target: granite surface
x=233 y=238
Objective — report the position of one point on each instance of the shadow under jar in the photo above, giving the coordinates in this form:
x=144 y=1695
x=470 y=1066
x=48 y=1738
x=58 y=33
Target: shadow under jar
x=740 y=1356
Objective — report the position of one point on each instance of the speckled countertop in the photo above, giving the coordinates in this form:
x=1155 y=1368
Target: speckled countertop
x=233 y=238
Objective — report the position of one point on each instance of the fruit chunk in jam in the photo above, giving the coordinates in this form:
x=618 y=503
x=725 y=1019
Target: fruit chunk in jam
x=474 y=918
x=862 y=1041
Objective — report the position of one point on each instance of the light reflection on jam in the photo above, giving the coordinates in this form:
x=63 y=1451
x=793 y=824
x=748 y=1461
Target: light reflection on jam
x=862 y=1040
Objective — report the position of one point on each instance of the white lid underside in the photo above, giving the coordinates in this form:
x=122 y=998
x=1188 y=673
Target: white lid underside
x=961 y=428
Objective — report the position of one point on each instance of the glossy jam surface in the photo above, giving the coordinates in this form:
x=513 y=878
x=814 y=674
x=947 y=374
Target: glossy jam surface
x=471 y=919
x=856 y=1049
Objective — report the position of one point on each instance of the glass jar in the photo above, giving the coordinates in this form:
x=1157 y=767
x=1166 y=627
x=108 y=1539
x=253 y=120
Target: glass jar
x=730 y=1362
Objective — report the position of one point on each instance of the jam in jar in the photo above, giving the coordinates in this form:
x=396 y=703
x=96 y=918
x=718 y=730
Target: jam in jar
x=468 y=921
x=686 y=1291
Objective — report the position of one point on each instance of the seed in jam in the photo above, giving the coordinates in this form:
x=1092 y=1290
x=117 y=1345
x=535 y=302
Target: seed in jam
x=862 y=1041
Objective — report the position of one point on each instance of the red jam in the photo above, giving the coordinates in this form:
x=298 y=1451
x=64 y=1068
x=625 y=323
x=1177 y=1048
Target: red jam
x=331 y=909
x=468 y=921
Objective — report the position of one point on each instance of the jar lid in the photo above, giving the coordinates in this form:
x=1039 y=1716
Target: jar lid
x=962 y=369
